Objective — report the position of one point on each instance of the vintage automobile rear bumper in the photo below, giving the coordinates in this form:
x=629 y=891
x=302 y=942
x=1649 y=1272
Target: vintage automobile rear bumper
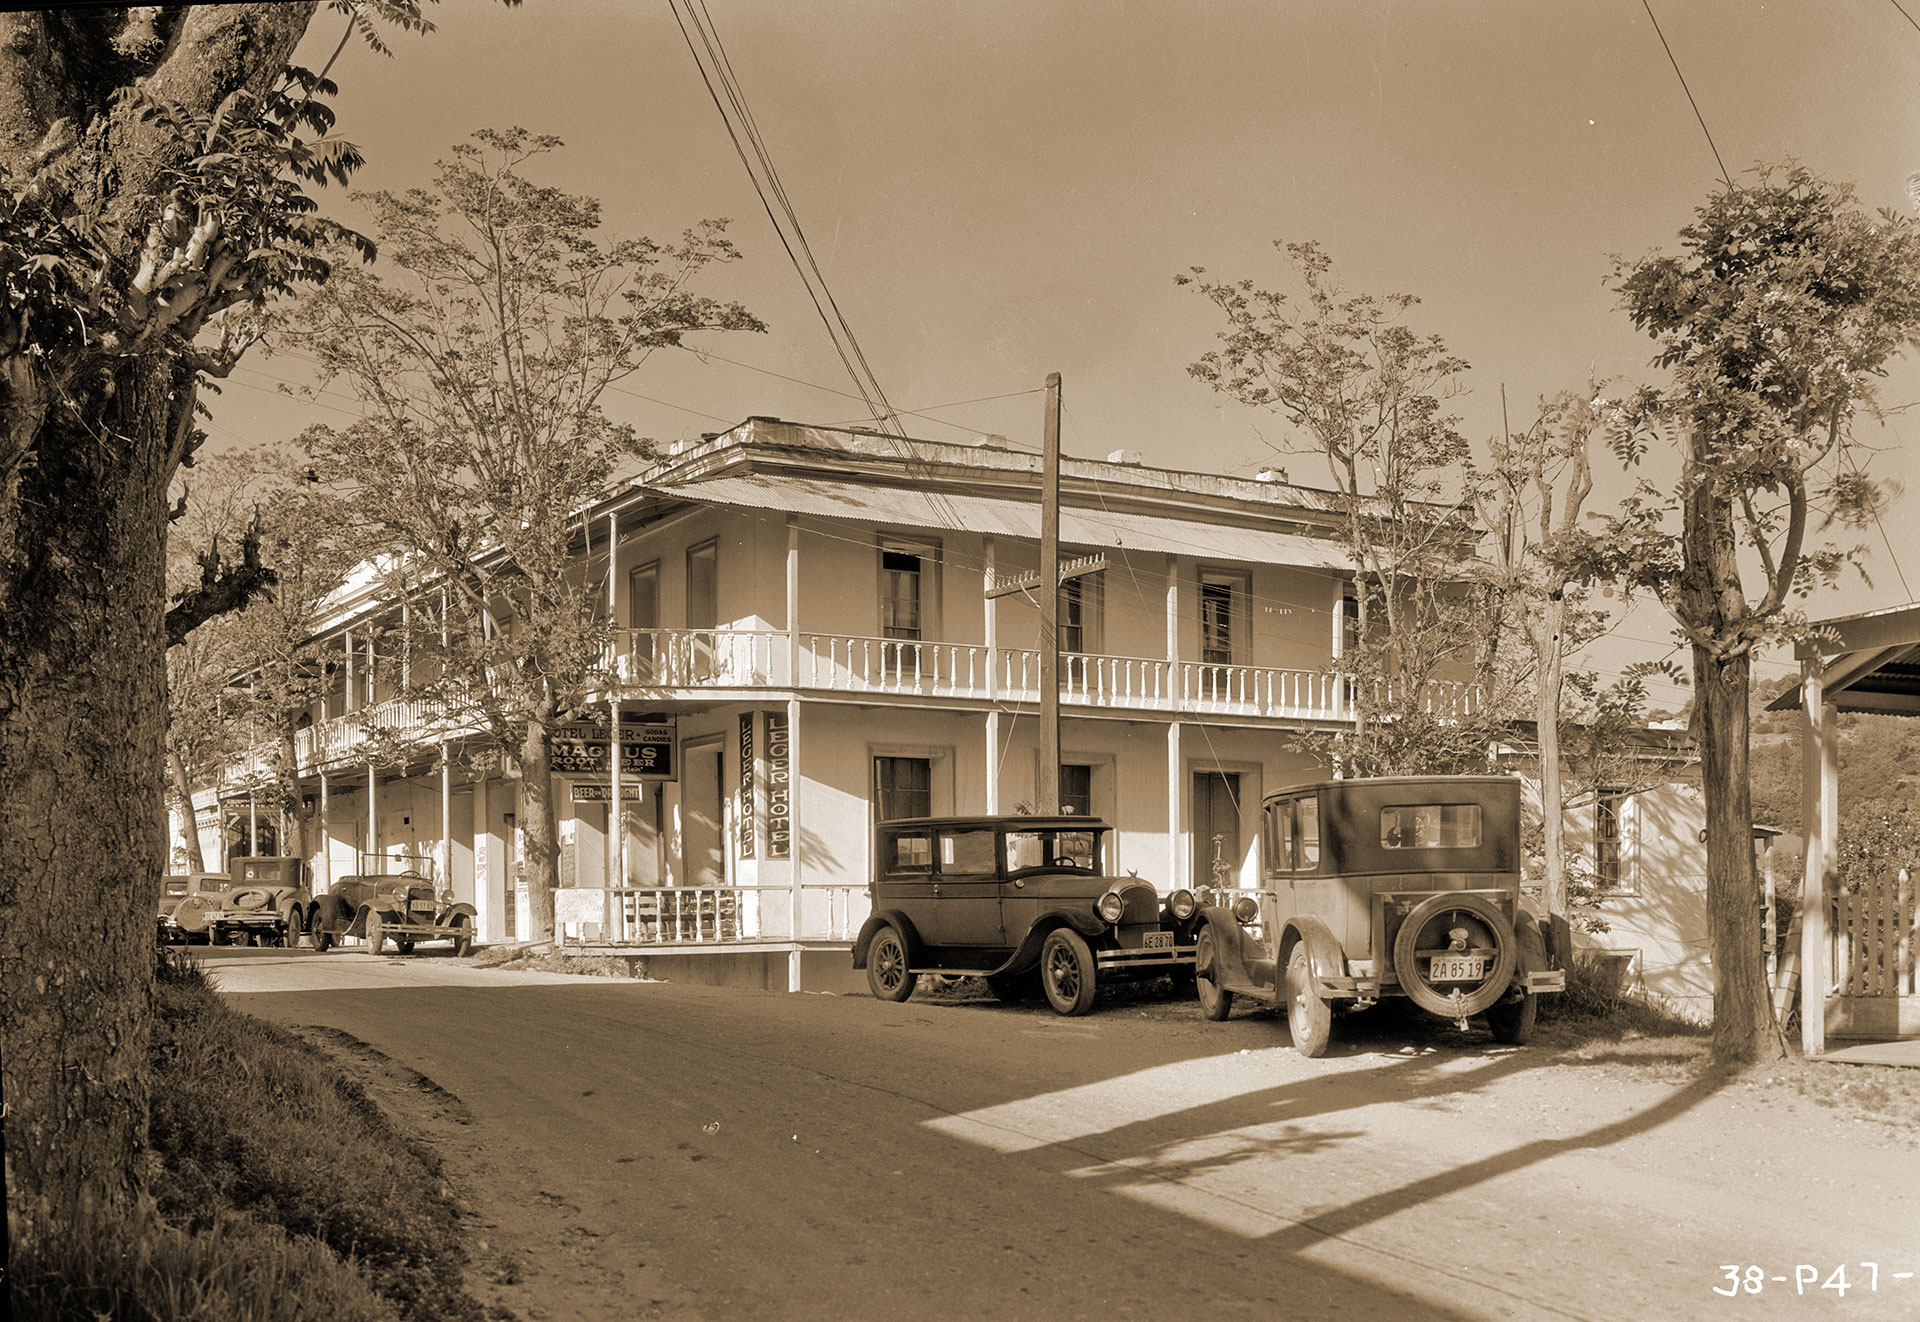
x=1338 y=988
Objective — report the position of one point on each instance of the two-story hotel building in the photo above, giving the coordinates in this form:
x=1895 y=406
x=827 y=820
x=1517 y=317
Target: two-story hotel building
x=806 y=641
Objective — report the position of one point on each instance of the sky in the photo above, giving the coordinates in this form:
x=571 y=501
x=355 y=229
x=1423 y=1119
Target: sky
x=997 y=190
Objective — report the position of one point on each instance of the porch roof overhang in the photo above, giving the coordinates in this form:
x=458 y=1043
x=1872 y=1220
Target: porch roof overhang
x=1869 y=663
x=927 y=508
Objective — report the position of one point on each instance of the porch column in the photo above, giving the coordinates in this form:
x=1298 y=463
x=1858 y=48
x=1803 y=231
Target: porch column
x=797 y=851
x=446 y=819
x=346 y=699
x=1173 y=637
x=484 y=854
x=1820 y=795
x=793 y=601
x=373 y=818
x=1176 y=827
x=326 y=833
x=991 y=549
x=616 y=823
x=993 y=754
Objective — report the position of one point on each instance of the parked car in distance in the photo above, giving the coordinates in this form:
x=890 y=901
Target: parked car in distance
x=390 y=897
x=262 y=900
x=1014 y=899
x=185 y=900
x=1382 y=888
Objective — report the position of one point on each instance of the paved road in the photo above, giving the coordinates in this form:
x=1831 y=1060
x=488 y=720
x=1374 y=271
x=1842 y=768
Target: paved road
x=658 y=1150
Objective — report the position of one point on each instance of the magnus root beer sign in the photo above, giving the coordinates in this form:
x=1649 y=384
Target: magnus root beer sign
x=646 y=751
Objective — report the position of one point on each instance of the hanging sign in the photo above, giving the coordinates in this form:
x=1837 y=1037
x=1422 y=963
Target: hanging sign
x=646 y=751
x=600 y=791
x=745 y=814
x=779 y=800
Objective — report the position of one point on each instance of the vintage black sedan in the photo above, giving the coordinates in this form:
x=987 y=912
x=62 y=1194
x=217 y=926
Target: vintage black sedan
x=1014 y=900
x=1382 y=888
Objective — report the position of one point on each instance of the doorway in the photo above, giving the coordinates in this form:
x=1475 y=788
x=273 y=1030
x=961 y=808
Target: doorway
x=1217 y=846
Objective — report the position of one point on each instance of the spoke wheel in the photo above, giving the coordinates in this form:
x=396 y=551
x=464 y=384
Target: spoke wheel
x=1067 y=972
x=888 y=977
x=375 y=931
x=462 y=936
x=319 y=928
x=295 y=931
x=1309 y=1018
x=1216 y=1002
x=1512 y=1021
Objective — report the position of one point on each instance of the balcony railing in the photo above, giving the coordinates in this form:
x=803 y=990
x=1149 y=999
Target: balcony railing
x=692 y=660
x=677 y=916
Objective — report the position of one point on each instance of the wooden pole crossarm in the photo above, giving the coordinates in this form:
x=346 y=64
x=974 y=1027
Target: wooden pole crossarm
x=1075 y=568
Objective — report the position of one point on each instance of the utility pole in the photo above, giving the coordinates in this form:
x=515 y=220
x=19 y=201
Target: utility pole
x=1045 y=585
x=1049 y=786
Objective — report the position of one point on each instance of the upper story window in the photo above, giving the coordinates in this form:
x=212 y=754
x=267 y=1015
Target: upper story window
x=1079 y=613
x=908 y=578
x=1222 y=611
x=703 y=586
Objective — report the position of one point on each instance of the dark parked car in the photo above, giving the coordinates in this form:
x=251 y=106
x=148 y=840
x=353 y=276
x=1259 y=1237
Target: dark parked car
x=390 y=898
x=1391 y=887
x=1014 y=899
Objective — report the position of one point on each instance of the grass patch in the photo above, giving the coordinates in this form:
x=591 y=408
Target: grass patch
x=142 y=1268
x=1595 y=1006
x=279 y=1190
x=556 y=961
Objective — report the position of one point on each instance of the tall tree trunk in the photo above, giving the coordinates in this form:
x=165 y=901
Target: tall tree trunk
x=540 y=866
x=1743 y=1025
x=183 y=790
x=295 y=840
x=1713 y=605
x=87 y=447
x=82 y=793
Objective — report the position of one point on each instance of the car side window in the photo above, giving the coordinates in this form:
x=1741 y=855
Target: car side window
x=1025 y=849
x=912 y=853
x=1307 y=834
x=966 y=851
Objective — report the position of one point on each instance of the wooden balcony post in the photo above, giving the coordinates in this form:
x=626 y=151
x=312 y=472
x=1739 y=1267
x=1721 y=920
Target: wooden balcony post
x=793 y=601
x=1819 y=793
x=990 y=548
x=326 y=832
x=797 y=851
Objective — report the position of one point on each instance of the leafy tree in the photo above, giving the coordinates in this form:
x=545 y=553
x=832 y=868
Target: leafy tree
x=1783 y=307
x=480 y=360
x=1367 y=394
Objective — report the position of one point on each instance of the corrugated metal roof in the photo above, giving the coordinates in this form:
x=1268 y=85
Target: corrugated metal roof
x=1079 y=525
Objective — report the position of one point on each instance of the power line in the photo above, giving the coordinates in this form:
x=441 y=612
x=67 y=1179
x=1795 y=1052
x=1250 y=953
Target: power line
x=1904 y=14
x=1647 y=4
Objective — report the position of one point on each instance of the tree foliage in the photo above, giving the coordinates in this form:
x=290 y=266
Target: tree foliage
x=1359 y=388
x=1774 y=323
x=481 y=354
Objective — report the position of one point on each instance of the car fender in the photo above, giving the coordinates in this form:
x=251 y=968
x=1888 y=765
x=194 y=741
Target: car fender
x=473 y=914
x=327 y=915
x=1089 y=925
x=1229 y=948
x=1329 y=960
x=886 y=918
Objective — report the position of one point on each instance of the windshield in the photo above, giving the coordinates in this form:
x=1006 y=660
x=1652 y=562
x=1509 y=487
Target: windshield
x=1059 y=850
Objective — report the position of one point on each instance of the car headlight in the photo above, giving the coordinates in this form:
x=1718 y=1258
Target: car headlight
x=1246 y=909
x=1182 y=904
x=1111 y=906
